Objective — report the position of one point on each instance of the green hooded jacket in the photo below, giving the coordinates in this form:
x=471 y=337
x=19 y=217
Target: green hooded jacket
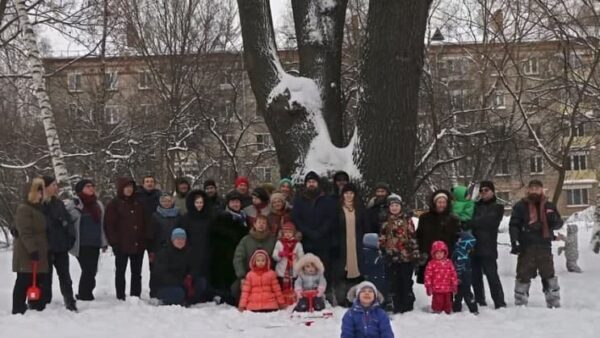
x=462 y=207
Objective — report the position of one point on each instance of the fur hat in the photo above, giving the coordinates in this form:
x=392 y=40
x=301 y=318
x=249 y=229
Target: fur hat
x=354 y=291
x=242 y=180
x=309 y=258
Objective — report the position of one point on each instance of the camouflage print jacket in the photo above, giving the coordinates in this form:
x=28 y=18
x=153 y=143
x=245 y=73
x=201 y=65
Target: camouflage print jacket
x=397 y=239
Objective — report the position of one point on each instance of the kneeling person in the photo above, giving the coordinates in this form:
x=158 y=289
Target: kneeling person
x=172 y=270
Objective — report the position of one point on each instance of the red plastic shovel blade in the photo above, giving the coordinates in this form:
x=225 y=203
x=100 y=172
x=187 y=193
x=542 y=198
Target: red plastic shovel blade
x=34 y=293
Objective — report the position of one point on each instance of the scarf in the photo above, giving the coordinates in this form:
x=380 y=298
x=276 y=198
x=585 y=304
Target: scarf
x=91 y=207
x=167 y=213
x=533 y=215
x=289 y=245
x=237 y=216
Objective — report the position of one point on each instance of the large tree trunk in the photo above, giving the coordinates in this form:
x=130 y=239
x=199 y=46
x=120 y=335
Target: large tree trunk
x=36 y=69
x=391 y=72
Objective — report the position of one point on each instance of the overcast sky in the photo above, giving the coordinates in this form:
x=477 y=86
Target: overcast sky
x=63 y=47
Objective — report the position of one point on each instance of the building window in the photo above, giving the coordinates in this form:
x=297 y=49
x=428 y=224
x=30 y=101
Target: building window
x=499 y=100
x=536 y=165
x=111 y=80
x=577 y=161
x=74 y=82
x=504 y=197
x=145 y=81
x=578 y=130
x=263 y=141
x=531 y=66
x=76 y=111
x=577 y=197
x=111 y=115
x=503 y=168
x=264 y=174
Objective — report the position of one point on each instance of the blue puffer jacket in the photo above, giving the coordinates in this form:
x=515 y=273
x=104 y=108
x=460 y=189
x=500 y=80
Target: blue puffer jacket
x=372 y=322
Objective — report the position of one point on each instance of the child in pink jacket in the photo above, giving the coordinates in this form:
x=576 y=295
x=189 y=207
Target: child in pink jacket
x=441 y=280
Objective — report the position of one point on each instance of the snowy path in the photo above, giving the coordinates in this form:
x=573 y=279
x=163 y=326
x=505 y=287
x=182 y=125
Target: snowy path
x=106 y=317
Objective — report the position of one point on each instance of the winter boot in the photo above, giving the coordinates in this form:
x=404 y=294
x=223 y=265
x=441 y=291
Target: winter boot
x=521 y=293
x=70 y=303
x=552 y=292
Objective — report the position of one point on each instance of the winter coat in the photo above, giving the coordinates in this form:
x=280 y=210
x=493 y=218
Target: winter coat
x=163 y=223
x=127 y=227
x=463 y=250
x=338 y=243
x=171 y=267
x=248 y=245
x=531 y=234
x=252 y=212
x=306 y=282
x=461 y=206
x=316 y=219
x=150 y=200
x=61 y=230
x=180 y=203
x=215 y=203
x=261 y=290
x=366 y=322
x=485 y=223
x=397 y=239
x=75 y=209
x=225 y=233
x=276 y=219
x=435 y=226
x=440 y=275
x=197 y=226
x=377 y=213
x=30 y=223
x=282 y=262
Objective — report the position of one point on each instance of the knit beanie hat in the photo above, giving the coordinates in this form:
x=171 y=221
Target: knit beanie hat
x=349 y=187
x=487 y=184
x=288 y=226
x=277 y=196
x=341 y=176
x=178 y=233
x=241 y=180
x=261 y=194
x=384 y=186
x=81 y=184
x=312 y=176
x=233 y=195
x=48 y=180
x=440 y=195
x=210 y=183
x=393 y=198
x=286 y=181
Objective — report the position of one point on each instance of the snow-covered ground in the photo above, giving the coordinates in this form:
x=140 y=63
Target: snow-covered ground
x=106 y=317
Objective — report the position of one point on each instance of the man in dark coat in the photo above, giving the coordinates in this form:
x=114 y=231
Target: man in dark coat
x=225 y=233
x=437 y=224
x=129 y=234
x=532 y=226
x=196 y=224
x=213 y=200
x=315 y=216
x=172 y=270
x=148 y=196
x=340 y=179
x=182 y=188
x=61 y=237
x=377 y=208
x=485 y=223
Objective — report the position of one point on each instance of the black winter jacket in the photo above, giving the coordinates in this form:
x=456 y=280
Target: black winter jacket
x=531 y=234
x=60 y=226
x=171 y=266
x=485 y=223
x=196 y=225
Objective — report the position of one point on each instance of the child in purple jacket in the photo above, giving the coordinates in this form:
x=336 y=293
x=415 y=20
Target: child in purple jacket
x=366 y=319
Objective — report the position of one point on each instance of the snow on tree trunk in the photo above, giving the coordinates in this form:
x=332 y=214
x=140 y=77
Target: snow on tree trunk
x=392 y=64
x=36 y=69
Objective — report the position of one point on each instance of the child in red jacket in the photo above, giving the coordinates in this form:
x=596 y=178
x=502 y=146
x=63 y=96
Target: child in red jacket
x=260 y=289
x=441 y=280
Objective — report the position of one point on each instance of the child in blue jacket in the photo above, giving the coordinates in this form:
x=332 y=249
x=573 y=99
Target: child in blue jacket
x=366 y=319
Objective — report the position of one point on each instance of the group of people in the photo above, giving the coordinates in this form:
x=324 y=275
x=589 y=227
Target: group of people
x=264 y=249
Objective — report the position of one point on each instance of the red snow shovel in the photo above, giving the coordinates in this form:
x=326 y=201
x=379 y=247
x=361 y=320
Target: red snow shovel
x=33 y=292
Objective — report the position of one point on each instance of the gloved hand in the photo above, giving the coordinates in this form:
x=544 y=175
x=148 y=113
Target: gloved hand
x=515 y=248
x=34 y=256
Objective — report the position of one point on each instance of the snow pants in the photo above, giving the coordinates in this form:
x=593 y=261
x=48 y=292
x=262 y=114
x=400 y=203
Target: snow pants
x=442 y=302
x=464 y=292
x=533 y=260
x=399 y=275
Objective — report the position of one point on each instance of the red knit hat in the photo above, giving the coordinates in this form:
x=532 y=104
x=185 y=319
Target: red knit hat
x=288 y=226
x=241 y=180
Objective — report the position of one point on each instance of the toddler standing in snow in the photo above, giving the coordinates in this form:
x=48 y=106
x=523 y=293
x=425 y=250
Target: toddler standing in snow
x=366 y=318
x=461 y=257
x=441 y=280
x=287 y=252
x=260 y=290
x=310 y=270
